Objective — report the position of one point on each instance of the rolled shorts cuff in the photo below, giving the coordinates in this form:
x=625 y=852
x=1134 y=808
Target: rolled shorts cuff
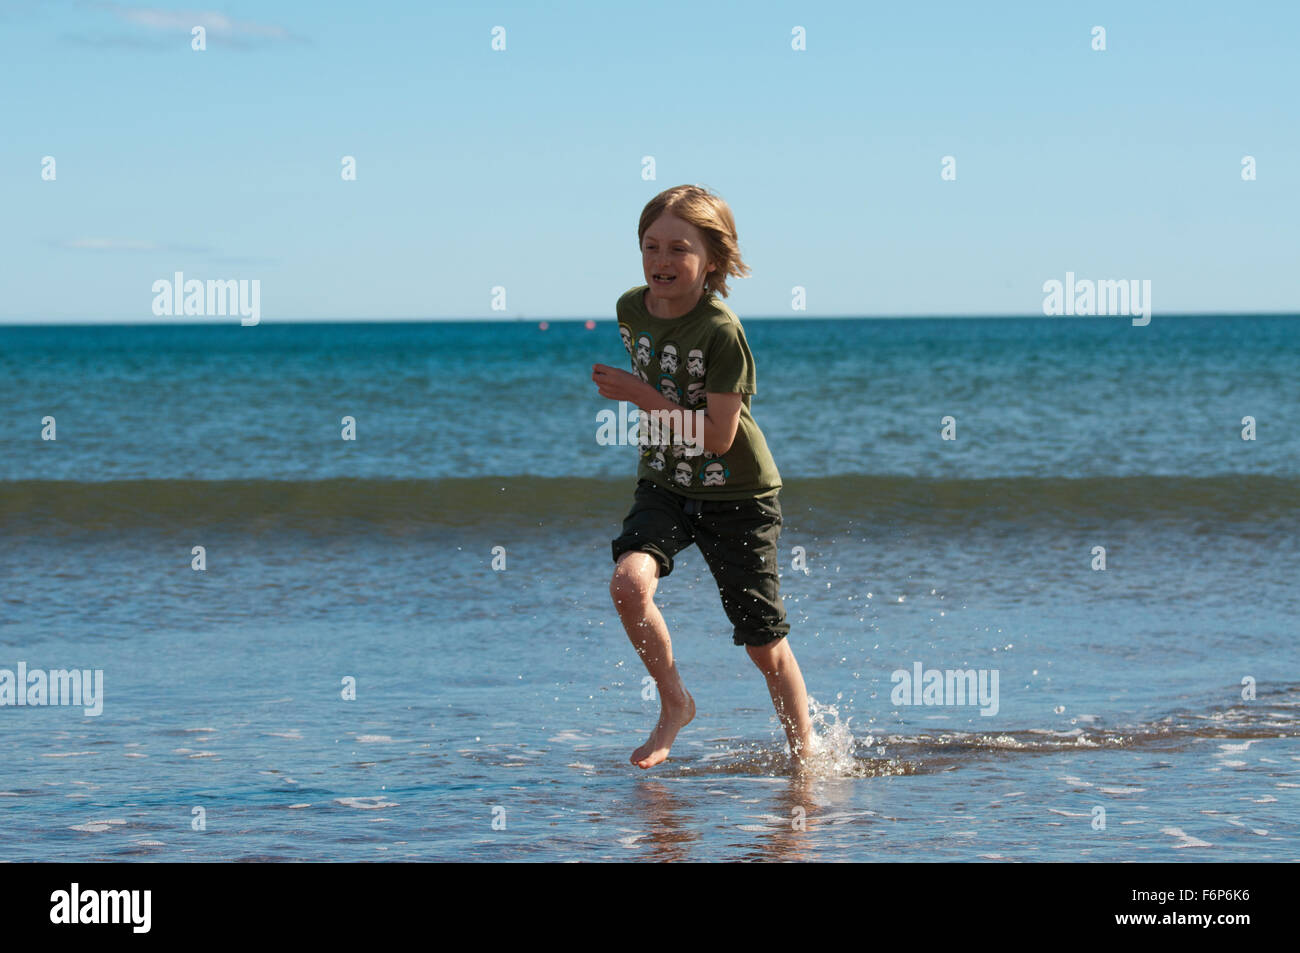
x=760 y=637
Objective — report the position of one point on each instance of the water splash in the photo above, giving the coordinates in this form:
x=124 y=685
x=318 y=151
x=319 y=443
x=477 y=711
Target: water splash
x=837 y=753
x=832 y=751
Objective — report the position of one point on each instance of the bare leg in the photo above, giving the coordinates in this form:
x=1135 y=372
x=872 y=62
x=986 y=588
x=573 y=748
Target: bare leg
x=636 y=576
x=789 y=697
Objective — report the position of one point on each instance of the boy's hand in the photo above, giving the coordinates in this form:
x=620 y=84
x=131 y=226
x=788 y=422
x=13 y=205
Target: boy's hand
x=620 y=385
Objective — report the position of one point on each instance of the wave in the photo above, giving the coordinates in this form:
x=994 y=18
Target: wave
x=341 y=505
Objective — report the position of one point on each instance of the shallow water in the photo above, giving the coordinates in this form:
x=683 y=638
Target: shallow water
x=513 y=695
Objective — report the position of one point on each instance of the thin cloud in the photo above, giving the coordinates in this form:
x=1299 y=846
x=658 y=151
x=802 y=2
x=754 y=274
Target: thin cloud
x=185 y=20
x=154 y=21
x=156 y=43
x=206 y=252
x=127 y=244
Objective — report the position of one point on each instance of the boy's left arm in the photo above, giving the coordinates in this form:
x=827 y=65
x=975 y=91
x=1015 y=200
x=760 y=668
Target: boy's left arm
x=723 y=411
x=721 y=414
x=731 y=375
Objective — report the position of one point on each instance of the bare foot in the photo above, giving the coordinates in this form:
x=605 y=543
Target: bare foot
x=672 y=719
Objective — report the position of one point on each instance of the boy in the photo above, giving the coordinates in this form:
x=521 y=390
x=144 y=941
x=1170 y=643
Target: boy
x=689 y=353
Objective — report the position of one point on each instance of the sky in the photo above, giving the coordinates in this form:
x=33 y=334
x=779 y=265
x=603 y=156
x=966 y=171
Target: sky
x=524 y=168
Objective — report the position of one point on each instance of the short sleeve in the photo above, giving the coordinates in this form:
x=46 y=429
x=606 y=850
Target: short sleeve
x=730 y=365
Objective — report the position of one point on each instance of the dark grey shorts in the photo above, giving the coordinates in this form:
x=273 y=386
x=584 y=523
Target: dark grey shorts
x=737 y=539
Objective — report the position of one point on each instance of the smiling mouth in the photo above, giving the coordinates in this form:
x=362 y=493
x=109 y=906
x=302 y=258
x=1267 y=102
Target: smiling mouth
x=665 y=279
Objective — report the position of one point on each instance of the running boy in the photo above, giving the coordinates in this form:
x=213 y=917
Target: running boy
x=688 y=351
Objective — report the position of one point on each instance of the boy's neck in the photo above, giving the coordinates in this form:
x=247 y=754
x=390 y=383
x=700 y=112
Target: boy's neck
x=666 y=309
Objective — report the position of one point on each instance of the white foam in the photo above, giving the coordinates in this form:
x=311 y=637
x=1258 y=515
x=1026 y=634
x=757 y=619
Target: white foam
x=1236 y=748
x=370 y=803
x=97 y=827
x=1185 y=839
x=839 y=817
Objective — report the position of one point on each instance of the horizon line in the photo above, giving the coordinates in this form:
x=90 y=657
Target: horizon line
x=233 y=320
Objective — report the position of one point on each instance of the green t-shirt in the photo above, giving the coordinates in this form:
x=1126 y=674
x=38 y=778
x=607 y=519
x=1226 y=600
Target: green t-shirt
x=684 y=359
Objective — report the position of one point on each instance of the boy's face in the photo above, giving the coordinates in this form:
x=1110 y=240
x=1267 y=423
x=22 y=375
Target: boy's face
x=674 y=247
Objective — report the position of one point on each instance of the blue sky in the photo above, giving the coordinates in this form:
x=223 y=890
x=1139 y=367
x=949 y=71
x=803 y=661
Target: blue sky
x=522 y=168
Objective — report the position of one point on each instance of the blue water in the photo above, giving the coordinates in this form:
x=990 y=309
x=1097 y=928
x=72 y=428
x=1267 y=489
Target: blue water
x=1031 y=396
x=516 y=689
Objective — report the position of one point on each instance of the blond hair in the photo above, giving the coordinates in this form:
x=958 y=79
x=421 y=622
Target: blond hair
x=712 y=216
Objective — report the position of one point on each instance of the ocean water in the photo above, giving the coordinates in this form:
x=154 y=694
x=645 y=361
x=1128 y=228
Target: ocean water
x=1147 y=711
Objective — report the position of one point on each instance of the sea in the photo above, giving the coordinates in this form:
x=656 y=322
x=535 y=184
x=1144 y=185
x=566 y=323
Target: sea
x=343 y=589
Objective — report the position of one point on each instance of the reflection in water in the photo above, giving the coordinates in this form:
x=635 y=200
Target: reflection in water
x=669 y=823
x=789 y=828
x=794 y=829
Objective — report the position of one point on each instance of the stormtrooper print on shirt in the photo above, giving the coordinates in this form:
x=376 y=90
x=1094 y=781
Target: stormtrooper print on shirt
x=684 y=359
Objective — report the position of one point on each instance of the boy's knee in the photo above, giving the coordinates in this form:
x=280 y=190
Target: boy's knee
x=633 y=579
